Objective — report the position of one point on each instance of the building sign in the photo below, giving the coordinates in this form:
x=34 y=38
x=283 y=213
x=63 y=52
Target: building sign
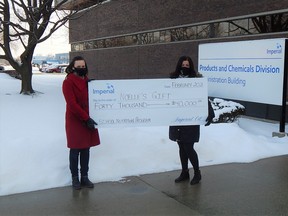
x=245 y=70
x=148 y=102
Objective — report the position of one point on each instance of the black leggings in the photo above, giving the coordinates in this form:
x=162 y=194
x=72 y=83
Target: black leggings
x=187 y=151
x=84 y=161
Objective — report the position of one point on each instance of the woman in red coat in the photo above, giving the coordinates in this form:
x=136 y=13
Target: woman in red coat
x=80 y=128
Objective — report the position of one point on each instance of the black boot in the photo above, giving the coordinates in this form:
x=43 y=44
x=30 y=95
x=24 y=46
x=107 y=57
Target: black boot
x=197 y=177
x=85 y=182
x=183 y=176
x=75 y=183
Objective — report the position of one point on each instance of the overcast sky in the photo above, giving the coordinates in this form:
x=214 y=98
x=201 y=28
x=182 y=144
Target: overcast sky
x=57 y=43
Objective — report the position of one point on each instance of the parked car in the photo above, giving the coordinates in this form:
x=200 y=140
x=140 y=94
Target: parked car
x=4 y=68
x=57 y=68
x=44 y=67
x=63 y=69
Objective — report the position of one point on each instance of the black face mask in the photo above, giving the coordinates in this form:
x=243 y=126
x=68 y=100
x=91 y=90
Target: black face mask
x=81 y=71
x=185 y=71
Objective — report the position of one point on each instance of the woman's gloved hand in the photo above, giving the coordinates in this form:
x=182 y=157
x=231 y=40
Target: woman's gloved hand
x=90 y=123
x=209 y=120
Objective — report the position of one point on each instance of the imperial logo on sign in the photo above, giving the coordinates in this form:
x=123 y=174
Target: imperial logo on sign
x=277 y=50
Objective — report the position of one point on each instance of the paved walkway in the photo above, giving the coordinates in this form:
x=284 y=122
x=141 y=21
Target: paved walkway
x=259 y=188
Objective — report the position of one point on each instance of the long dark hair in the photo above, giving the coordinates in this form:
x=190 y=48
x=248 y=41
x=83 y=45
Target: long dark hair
x=70 y=67
x=177 y=71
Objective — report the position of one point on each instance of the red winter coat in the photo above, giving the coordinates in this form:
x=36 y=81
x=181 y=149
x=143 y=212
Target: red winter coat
x=79 y=136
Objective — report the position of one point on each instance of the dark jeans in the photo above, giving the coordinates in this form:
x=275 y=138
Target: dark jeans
x=187 y=151
x=84 y=161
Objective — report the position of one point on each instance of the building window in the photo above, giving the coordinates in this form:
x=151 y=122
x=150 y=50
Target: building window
x=227 y=28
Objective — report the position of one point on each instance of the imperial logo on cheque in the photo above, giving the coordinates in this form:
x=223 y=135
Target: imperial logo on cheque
x=109 y=89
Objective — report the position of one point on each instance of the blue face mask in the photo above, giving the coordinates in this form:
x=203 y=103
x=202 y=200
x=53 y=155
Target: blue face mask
x=81 y=71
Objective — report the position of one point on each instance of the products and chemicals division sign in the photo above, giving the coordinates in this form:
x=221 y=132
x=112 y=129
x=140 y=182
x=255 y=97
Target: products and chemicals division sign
x=245 y=70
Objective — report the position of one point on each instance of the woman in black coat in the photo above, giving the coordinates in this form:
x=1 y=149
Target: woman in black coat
x=187 y=135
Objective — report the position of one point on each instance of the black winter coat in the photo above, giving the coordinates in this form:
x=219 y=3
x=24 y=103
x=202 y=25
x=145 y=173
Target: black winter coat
x=187 y=133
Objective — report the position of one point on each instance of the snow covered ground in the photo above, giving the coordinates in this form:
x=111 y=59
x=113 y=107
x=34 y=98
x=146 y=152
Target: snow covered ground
x=34 y=156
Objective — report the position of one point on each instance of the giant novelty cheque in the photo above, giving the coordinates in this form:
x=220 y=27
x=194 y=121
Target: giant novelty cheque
x=148 y=102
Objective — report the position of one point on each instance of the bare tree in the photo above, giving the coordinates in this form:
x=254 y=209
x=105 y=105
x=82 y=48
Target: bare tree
x=28 y=23
x=264 y=24
x=271 y=23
